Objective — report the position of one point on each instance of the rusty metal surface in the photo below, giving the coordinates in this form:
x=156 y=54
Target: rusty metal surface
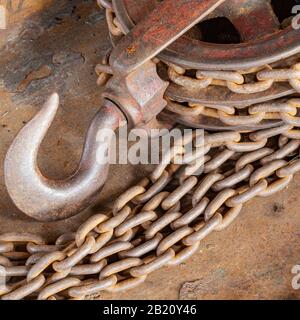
x=215 y=90
x=127 y=92
x=167 y=22
x=192 y=53
x=50 y=200
x=72 y=60
x=234 y=264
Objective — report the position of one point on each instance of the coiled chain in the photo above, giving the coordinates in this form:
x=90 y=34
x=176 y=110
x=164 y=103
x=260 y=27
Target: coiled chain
x=160 y=221
x=163 y=219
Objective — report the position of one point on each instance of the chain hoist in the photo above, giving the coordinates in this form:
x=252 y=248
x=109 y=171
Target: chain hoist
x=246 y=97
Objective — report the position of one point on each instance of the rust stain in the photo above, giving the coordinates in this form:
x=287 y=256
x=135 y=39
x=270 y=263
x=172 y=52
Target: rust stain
x=41 y=73
x=131 y=49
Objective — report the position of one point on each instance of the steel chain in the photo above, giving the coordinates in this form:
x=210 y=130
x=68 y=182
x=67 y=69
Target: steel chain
x=284 y=110
x=235 y=81
x=251 y=81
x=150 y=225
x=163 y=219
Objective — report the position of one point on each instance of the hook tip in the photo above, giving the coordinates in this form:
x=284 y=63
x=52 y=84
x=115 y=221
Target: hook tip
x=53 y=99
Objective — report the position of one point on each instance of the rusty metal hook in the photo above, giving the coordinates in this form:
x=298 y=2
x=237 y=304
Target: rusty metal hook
x=50 y=200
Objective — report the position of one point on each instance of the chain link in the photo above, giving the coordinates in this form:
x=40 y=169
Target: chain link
x=285 y=110
x=235 y=81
